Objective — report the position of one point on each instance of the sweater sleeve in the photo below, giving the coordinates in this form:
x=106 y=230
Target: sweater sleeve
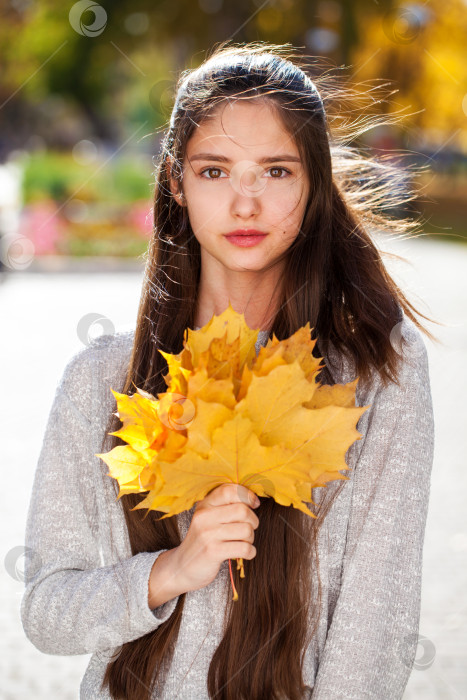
x=71 y=603
x=372 y=639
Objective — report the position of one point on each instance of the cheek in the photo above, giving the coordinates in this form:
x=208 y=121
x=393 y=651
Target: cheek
x=286 y=213
x=200 y=208
x=206 y=202
x=289 y=202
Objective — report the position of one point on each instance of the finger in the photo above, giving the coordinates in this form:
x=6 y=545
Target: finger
x=238 y=512
x=238 y=550
x=237 y=532
x=231 y=493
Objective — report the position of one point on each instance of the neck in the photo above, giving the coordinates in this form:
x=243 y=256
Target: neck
x=250 y=294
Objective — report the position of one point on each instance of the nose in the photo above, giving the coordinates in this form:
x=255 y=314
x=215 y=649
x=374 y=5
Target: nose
x=247 y=185
x=245 y=204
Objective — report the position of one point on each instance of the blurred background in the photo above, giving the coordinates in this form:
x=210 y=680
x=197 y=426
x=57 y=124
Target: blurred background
x=85 y=93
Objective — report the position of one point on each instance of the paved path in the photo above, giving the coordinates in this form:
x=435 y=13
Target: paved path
x=40 y=314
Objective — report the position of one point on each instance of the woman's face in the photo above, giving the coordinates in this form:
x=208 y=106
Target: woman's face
x=242 y=170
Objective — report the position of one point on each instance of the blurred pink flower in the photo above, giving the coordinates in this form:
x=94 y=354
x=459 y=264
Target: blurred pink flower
x=41 y=223
x=140 y=217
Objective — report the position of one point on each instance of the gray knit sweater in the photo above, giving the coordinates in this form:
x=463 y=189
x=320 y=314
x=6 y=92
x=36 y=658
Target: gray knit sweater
x=85 y=592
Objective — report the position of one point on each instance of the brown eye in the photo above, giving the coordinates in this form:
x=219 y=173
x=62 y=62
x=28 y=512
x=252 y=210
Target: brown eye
x=212 y=170
x=280 y=171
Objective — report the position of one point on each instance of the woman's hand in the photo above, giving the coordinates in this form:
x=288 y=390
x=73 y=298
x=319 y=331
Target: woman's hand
x=222 y=527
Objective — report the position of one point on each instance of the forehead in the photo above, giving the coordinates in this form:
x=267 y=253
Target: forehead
x=239 y=124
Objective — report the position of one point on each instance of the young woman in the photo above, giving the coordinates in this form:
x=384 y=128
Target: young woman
x=259 y=203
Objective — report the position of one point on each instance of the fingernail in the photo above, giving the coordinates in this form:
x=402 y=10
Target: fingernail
x=256 y=502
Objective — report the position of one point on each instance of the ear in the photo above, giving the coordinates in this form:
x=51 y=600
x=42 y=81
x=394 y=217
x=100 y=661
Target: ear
x=174 y=185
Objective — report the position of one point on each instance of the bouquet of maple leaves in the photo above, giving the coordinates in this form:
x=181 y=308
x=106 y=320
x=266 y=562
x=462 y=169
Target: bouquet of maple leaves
x=231 y=416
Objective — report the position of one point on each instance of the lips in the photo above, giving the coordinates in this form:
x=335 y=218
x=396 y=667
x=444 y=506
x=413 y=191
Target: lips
x=246 y=232
x=246 y=238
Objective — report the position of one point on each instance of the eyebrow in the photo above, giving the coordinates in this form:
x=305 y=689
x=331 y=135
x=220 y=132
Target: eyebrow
x=283 y=157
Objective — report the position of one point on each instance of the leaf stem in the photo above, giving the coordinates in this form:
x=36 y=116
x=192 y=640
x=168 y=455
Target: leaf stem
x=235 y=594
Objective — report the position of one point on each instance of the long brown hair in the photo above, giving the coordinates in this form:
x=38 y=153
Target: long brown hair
x=335 y=279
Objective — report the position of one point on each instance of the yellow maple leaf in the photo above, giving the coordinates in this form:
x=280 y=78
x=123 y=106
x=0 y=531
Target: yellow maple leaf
x=231 y=416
